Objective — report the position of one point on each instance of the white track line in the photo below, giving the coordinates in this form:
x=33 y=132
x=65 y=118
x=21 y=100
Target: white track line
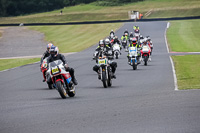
x=172 y=63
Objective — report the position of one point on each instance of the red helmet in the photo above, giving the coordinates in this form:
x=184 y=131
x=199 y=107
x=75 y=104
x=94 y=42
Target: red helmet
x=134 y=41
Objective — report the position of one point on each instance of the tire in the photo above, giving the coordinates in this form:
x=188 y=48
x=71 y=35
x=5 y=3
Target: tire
x=145 y=60
x=104 y=80
x=134 y=66
x=124 y=46
x=116 y=54
x=109 y=80
x=61 y=89
x=50 y=86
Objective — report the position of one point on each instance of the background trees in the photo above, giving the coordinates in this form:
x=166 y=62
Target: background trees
x=20 y=7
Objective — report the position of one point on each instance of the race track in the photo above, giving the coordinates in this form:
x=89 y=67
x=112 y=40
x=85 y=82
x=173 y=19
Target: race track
x=140 y=101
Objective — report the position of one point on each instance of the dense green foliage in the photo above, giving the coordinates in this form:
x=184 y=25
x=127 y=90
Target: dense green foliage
x=20 y=7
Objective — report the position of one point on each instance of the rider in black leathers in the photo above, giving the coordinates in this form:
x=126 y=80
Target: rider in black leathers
x=109 y=53
x=54 y=55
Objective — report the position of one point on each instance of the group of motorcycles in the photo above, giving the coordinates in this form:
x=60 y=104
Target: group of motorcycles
x=57 y=77
x=135 y=55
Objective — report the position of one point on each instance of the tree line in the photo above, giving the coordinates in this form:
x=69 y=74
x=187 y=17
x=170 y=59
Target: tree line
x=21 y=7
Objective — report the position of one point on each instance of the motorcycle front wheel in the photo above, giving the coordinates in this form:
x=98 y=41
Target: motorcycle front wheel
x=61 y=89
x=104 y=80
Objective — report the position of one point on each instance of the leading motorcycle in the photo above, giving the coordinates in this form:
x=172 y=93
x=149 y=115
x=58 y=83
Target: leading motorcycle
x=62 y=79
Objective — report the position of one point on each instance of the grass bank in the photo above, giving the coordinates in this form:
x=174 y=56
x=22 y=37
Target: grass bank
x=11 y=63
x=91 y=12
x=72 y=38
x=183 y=36
x=187 y=71
x=75 y=38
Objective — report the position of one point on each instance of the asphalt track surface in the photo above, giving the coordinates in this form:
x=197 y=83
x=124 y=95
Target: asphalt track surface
x=140 y=101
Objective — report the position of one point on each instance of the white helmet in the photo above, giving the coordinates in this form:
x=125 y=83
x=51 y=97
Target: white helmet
x=107 y=41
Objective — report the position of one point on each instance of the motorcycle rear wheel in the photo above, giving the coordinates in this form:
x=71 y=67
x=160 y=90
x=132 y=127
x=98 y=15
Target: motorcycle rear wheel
x=61 y=89
x=145 y=60
x=117 y=56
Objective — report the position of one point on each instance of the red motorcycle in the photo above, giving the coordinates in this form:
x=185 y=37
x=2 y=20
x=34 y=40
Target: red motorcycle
x=145 y=53
x=45 y=74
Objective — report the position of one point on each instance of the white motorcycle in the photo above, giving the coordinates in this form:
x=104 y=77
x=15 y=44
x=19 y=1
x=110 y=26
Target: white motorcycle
x=132 y=57
x=62 y=79
x=116 y=49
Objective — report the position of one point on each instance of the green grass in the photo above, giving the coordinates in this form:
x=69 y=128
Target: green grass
x=91 y=12
x=183 y=36
x=72 y=38
x=75 y=38
x=11 y=63
x=187 y=71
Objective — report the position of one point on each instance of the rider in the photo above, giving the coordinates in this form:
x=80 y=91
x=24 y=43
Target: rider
x=116 y=40
x=149 y=42
x=144 y=43
x=126 y=31
x=54 y=55
x=112 y=32
x=136 y=27
x=135 y=44
x=109 y=53
x=131 y=34
x=124 y=36
x=46 y=53
x=107 y=42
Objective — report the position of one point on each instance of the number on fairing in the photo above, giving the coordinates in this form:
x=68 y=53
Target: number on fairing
x=55 y=70
x=102 y=61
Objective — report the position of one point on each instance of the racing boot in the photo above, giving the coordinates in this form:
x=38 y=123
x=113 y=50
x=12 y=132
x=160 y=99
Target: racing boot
x=74 y=81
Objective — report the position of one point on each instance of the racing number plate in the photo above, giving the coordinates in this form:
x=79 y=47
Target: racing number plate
x=55 y=70
x=102 y=61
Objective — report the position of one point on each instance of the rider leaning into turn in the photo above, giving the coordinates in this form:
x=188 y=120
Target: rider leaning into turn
x=109 y=53
x=54 y=55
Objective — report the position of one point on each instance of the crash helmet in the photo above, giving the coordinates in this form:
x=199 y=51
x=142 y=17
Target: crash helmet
x=49 y=45
x=101 y=43
x=116 y=38
x=107 y=41
x=148 y=38
x=134 y=41
x=141 y=37
x=54 y=51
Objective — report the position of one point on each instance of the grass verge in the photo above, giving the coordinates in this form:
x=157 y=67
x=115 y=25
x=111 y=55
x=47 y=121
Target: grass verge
x=75 y=38
x=187 y=71
x=11 y=63
x=183 y=36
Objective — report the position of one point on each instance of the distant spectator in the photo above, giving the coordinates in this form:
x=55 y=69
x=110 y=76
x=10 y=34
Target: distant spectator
x=61 y=12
